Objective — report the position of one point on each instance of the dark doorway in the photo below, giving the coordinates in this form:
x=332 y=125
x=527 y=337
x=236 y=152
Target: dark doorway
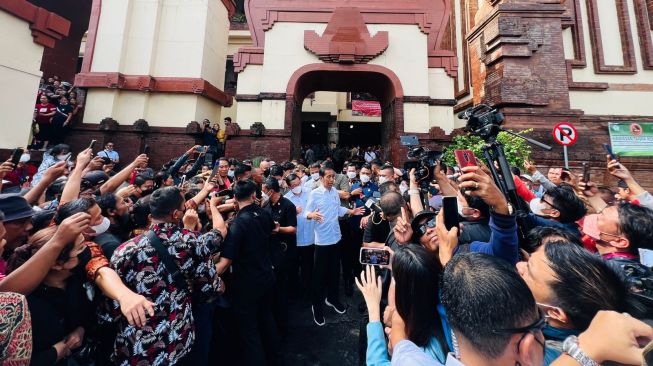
x=360 y=133
x=314 y=133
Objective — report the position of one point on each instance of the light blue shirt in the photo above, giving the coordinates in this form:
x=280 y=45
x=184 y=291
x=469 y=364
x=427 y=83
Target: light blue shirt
x=377 y=350
x=113 y=155
x=305 y=227
x=328 y=202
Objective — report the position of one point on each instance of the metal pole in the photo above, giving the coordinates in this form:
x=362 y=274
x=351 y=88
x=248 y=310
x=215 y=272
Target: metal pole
x=564 y=148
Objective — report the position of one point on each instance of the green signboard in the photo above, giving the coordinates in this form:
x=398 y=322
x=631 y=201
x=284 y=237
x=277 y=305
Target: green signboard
x=631 y=138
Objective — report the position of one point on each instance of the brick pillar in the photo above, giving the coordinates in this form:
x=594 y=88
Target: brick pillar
x=517 y=56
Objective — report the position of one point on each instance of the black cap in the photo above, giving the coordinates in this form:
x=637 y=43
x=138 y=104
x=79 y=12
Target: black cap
x=15 y=207
x=94 y=178
x=419 y=218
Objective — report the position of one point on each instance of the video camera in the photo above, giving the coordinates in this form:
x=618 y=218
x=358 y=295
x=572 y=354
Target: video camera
x=483 y=121
x=424 y=164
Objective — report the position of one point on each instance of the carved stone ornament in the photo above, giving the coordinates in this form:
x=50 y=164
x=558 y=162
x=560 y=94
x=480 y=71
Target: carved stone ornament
x=257 y=129
x=108 y=124
x=346 y=39
x=193 y=128
x=141 y=125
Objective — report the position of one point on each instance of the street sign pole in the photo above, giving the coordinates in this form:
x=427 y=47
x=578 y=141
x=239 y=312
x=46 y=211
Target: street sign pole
x=564 y=148
x=565 y=134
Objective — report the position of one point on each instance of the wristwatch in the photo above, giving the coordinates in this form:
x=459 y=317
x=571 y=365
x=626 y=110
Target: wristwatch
x=571 y=347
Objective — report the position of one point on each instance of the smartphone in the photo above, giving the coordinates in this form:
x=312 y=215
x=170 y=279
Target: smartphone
x=15 y=156
x=93 y=142
x=465 y=158
x=586 y=172
x=226 y=193
x=201 y=149
x=450 y=207
x=213 y=173
x=374 y=256
x=146 y=149
x=608 y=149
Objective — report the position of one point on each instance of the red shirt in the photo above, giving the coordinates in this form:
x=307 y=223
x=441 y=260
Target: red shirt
x=44 y=109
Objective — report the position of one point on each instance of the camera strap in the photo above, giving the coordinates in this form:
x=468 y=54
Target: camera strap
x=172 y=267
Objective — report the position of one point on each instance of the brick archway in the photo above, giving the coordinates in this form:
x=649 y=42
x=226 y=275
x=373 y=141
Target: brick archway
x=374 y=79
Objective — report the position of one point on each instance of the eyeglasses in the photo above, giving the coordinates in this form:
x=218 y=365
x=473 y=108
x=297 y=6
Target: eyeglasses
x=548 y=203
x=538 y=325
x=427 y=225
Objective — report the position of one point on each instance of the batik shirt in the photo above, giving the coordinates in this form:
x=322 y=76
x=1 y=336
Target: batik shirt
x=169 y=334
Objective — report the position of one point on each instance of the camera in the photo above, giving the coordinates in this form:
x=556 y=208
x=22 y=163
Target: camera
x=426 y=161
x=483 y=121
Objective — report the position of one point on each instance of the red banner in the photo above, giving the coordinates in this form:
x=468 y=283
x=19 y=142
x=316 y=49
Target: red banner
x=366 y=108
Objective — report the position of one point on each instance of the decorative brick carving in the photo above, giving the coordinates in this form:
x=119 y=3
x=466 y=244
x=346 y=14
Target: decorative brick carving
x=193 y=128
x=147 y=83
x=109 y=124
x=141 y=125
x=47 y=28
x=346 y=39
x=431 y=16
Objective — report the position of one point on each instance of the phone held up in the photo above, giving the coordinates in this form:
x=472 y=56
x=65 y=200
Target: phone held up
x=586 y=172
x=374 y=256
x=15 y=156
x=92 y=144
x=450 y=207
x=608 y=149
x=465 y=158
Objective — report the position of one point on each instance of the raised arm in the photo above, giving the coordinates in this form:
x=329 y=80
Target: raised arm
x=25 y=278
x=182 y=159
x=117 y=180
x=49 y=176
x=73 y=185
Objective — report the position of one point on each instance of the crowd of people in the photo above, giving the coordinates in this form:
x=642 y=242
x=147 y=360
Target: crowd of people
x=195 y=262
x=57 y=107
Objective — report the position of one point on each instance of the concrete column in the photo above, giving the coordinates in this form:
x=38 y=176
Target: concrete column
x=164 y=61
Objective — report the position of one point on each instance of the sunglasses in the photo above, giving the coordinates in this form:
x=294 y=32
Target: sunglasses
x=427 y=225
x=549 y=203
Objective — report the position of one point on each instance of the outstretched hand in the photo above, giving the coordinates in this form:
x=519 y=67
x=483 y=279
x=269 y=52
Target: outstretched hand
x=371 y=287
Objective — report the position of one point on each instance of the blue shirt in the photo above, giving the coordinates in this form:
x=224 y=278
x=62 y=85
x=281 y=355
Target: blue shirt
x=328 y=202
x=113 y=155
x=377 y=351
x=503 y=241
x=305 y=227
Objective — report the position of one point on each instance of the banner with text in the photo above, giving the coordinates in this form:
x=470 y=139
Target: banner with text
x=366 y=108
x=631 y=139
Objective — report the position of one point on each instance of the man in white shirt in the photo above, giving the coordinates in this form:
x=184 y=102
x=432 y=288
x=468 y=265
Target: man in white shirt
x=324 y=208
x=110 y=153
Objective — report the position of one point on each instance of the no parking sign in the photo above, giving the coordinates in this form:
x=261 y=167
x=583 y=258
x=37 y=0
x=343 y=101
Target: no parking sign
x=565 y=134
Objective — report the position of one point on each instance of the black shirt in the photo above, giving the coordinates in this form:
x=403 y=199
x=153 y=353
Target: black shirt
x=55 y=313
x=285 y=213
x=377 y=230
x=475 y=231
x=248 y=245
x=61 y=115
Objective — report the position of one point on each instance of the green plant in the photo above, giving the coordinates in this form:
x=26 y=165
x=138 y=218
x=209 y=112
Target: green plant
x=516 y=149
x=239 y=18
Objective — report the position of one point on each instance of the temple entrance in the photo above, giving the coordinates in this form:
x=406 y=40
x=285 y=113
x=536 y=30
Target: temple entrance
x=342 y=126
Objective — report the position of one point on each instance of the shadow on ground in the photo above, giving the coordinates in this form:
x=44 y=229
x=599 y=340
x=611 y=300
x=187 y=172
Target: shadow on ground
x=335 y=343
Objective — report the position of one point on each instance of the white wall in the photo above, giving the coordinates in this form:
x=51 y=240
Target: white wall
x=406 y=56
x=610 y=102
x=20 y=64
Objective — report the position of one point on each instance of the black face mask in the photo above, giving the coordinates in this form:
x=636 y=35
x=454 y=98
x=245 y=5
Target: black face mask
x=146 y=192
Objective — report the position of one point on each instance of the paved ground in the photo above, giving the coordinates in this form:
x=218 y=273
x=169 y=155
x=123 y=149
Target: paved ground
x=336 y=343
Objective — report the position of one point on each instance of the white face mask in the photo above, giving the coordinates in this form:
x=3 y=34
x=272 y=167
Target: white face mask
x=264 y=197
x=315 y=176
x=403 y=187
x=365 y=178
x=280 y=182
x=231 y=174
x=102 y=227
x=537 y=206
x=201 y=208
x=297 y=190
x=382 y=179
x=351 y=175
x=461 y=210
x=63 y=157
x=25 y=158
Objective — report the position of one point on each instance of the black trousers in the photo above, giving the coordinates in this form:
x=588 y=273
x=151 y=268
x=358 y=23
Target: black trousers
x=345 y=251
x=326 y=274
x=257 y=330
x=305 y=259
x=351 y=253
